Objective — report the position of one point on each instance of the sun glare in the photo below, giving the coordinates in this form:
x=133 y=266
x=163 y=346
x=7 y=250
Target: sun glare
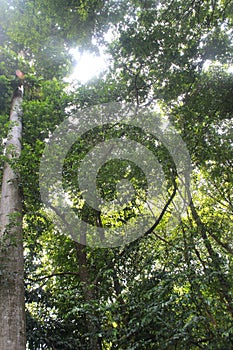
x=88 y=65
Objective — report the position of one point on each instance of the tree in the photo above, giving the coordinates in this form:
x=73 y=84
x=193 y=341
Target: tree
x=12 y=309
x=47 y=36
x=24 y=47
x=172 y=288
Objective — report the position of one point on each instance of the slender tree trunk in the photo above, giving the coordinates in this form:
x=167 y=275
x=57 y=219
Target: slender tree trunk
x=12 y=308
x=224 y=286
x=88 y=292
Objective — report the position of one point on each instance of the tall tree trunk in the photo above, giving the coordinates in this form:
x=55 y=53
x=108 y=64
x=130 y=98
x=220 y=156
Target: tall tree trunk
x=12 y=308
x=88 y=292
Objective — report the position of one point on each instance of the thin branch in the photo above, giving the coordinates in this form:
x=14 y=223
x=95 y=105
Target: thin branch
x=53 y=275
x=157 y=222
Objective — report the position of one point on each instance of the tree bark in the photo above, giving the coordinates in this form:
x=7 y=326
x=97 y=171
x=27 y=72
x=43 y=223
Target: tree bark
x=224 y=287
x=88 y=292
x=12 y=307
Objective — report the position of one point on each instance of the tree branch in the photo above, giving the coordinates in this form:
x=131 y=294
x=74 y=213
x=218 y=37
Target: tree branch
x=53 y=275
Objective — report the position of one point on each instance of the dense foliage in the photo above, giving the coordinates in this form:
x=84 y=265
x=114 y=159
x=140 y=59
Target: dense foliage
x=172 y=288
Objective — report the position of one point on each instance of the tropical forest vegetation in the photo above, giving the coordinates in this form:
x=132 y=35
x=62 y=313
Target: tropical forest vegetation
x=168 y=285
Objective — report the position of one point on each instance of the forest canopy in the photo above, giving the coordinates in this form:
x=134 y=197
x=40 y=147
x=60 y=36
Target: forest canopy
x=167 y=90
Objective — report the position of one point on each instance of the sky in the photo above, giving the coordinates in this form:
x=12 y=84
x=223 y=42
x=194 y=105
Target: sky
x=87 y=65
